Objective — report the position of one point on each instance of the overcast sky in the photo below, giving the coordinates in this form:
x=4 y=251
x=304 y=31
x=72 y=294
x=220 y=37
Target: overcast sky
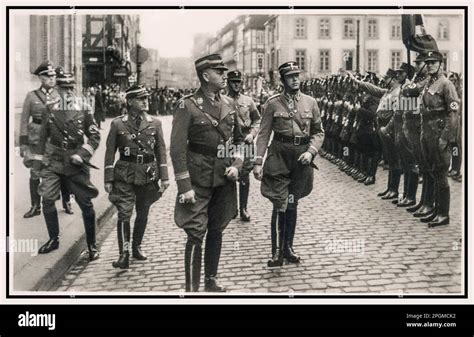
x=171 y=31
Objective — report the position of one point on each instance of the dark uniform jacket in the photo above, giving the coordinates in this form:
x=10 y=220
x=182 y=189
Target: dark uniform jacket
x=200 y=128
x=440 y=102
x=279 y=117
x=62 y=133
x=142 y=150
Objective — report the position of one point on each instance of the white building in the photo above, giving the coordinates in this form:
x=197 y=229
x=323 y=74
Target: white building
x=323 y=44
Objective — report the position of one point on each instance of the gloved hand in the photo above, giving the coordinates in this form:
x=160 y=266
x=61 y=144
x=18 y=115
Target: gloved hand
x=76 y=159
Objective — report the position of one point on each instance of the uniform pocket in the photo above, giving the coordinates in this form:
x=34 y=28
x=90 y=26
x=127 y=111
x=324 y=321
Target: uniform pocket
x=33 y=133
x=121 y=171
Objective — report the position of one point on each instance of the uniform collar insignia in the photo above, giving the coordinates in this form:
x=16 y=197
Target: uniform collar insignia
x=295 y=97
x=46 y=91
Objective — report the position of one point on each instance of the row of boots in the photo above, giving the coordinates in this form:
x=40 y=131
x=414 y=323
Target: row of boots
x=433 y=207
x=360 y=166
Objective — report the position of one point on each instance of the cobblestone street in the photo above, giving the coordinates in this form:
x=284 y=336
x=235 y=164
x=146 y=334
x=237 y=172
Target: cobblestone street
x=349 y=239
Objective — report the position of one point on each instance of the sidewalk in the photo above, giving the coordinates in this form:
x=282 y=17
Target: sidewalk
x=32 y=272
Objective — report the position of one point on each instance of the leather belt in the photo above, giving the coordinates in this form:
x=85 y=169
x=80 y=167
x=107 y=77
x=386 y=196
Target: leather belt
x=36 y=120
x=139 y=158
x=64 y=144
x=202 y=149
x=297 y=140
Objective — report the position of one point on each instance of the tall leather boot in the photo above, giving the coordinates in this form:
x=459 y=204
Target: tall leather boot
x=364 y=167
x=428 y=200
x=52 y=224
x=444 y=196
x=373 y=163
x=212 y=254
x=89 y=226
x=412 y=186
x=244 y=188
x=389 y=183
x=192 y=265
x=290 y=228
x=35 y=199
x=139 y=227
x=435 y=196
x=123 y=235
x=278 y=232
x=422 y=197
x=393 y=190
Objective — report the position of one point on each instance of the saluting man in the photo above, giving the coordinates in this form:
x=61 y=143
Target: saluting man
x=204 y=126
x=66 y=159
x=287 y=175
x=134 y=180
x=249 y=120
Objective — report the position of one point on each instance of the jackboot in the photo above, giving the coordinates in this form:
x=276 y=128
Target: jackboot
x=192 y=265
x=290 y=227
x=123 y=235
x=422 y=198
x=89 y=226
x=278 y=232
x=244 y=188
x=52 y=224
x=212 y=254
x=389 y=183
x=444 y=197
x=35 y=199
x=412 y=186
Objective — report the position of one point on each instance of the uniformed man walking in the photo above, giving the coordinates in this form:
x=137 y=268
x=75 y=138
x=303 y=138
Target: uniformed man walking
x=204 y=126
x=134 y=180
x=34 y=107
x=249 y=120
x=440 y=106
x=287 y=175
x=66 y=159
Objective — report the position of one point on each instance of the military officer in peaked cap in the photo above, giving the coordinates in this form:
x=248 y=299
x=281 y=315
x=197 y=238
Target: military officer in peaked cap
x=287 y=175
x=36 y=103
x=440 y=106
x=204 y=127
x=66 y=159
x=133 y=180
x=249 y=120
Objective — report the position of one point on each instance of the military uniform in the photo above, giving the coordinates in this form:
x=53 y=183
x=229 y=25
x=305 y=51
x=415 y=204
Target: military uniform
x=296 y=125
x=440 y=106
x=249 y=121
x=35 y=105
x=61 y=140
x=384 y=114
x=203 y=129
x=138 y=137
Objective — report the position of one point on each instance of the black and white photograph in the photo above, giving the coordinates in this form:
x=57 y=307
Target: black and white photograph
x=208 y=152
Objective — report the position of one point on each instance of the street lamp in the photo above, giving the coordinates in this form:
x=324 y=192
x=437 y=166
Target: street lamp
x=157 y=77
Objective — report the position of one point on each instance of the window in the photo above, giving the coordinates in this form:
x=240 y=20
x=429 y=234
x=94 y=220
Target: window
x=260 y=62
x=348 y=29
x=396 y=30
x=39 y=40
x=443 y=30
x=324 y=60
x=300 y=28
x=276 y=30
x=372 y=29
x=260 y=37
x=300 y=57
x=372 y=60
x=348 y=59
x=396 y=59
x=445 y=60
x=324 y=29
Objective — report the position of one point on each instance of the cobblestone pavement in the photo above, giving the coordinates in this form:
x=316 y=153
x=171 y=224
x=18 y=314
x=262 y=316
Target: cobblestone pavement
x=350 y=241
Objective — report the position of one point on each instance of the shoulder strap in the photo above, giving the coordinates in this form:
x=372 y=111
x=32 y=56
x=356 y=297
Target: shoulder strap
x=214 y=122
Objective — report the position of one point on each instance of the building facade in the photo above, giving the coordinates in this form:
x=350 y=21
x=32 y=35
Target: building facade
x=107 y=44
x=325 y=44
